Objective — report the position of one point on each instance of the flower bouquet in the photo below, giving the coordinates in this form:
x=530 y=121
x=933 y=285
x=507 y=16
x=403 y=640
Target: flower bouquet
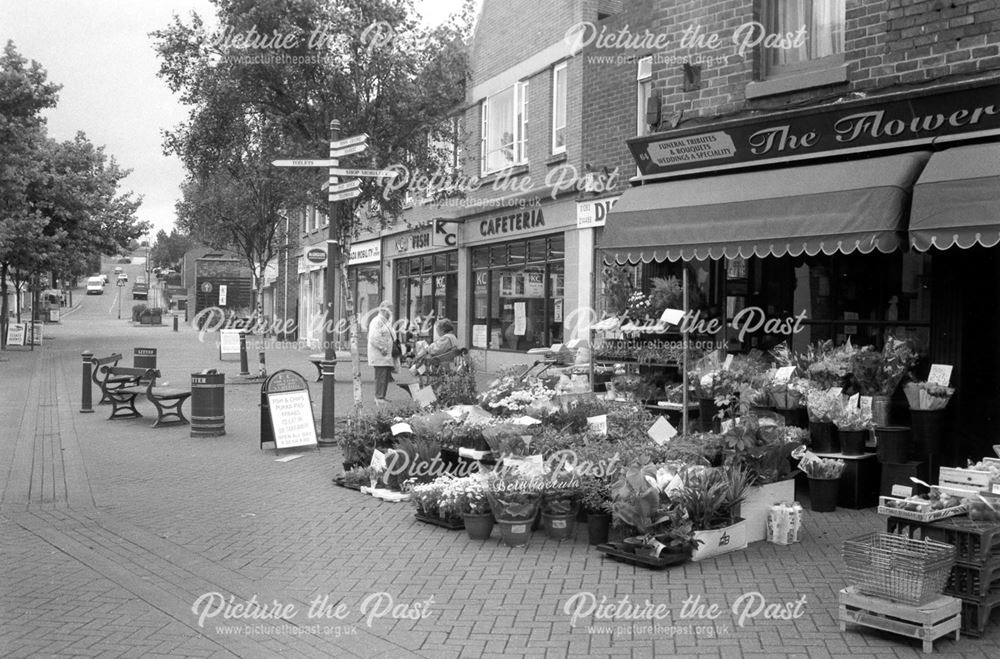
x=510 y=395
x=878 y=374
x=851 y=418
x=822 y=404
x=828 y=366
x=927 y=396
x=822 y=468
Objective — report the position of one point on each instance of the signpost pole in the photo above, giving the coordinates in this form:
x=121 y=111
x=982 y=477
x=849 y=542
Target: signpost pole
x=326 y=437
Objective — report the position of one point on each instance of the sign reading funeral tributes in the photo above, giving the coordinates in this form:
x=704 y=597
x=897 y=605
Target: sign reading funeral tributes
x=286 y=413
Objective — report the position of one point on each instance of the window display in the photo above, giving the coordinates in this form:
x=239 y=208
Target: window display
x=517 y=294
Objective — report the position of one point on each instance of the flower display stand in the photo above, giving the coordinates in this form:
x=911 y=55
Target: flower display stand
x=927 y=622
x=759 y=501
x=716 y=542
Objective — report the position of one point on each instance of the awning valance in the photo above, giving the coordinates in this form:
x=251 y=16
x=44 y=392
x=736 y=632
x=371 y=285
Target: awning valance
x=956 y=200
x=835 y=207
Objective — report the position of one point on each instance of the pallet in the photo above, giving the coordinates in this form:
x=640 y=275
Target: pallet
x=976 y=614
x=927 y=622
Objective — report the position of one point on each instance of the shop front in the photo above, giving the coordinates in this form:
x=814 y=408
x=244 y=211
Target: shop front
x=885 y=232
x=312 y=294
x=424 y=275
x=364 y=277
x=525 y=279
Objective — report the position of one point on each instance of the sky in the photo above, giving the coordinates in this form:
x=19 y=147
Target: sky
x=100 y=52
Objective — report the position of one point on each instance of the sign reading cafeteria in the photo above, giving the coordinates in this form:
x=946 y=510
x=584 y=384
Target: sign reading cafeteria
x=524 y=220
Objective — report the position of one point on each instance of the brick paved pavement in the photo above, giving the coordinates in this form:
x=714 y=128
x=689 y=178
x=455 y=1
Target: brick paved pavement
x=110 y=531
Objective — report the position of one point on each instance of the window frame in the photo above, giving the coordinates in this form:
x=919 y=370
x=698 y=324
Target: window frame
x=777 y=72
x=644 y=90
x=518 y=128
x=563 y=69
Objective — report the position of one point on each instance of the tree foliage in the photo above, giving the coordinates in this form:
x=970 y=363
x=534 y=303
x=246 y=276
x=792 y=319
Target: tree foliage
x=168 y=250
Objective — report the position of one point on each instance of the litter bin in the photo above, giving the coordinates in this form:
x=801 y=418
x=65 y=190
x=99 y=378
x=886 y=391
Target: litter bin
x=208 y=403
x=144 y=358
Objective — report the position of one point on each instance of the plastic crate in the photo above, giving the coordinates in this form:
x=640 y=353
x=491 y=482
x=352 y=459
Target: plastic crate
x=975 y=542
x=974 y=581
x=976 y=614
x=898 y=568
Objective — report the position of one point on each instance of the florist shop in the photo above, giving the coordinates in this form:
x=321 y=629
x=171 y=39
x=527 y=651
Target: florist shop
x=867 y=222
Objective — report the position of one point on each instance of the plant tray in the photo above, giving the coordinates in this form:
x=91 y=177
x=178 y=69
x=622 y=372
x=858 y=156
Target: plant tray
x=339 y=481
x=885 y=507
x=451 y=524
x=616 y=551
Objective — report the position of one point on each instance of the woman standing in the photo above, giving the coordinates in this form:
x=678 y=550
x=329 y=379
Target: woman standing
x=381 y=339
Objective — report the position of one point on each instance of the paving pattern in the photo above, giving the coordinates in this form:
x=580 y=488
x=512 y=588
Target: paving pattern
x=120 y=540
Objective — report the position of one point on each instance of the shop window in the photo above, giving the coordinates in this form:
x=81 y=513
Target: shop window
x=559 y=108
x=861 y=297
x=518 y=306
x=427 y=290
x=821 y=24
x=504 y=129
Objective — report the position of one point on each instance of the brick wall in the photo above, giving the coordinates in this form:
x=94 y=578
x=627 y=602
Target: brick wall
x=890 y=45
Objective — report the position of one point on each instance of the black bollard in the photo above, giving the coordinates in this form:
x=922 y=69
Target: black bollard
x=85 y=399
x=244 y=367
x=175 y=321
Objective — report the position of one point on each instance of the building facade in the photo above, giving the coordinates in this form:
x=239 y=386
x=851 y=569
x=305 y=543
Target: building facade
x=834 y=160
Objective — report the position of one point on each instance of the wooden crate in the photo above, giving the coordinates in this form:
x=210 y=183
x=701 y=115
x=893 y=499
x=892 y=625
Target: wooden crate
x=927 y=622
x=962 y=482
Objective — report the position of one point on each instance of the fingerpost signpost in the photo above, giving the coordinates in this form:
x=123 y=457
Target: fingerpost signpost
x=337 y=192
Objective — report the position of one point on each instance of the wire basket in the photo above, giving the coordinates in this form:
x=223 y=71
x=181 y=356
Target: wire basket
x=898 y=568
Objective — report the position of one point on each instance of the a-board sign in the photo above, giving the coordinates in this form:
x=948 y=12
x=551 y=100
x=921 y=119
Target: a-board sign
x=286 y=413
x=36 y=337
x=229 y=342
x=16 y=334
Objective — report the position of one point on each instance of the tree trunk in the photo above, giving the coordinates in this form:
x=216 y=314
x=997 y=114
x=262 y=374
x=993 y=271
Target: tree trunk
x=354 y=332
x=3 y=306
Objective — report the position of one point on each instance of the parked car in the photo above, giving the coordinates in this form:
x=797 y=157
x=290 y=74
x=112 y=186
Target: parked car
x=95 y=286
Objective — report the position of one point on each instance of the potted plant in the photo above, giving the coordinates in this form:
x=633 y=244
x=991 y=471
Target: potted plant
x=514 y=501
x=927 y=403
x=476 y=510
x=559 y=504
x=853 y=426
x=640 y=501
x=712 y=498
x=824 y=477
x=439 y=502
x=821 y=405
x=595 y=500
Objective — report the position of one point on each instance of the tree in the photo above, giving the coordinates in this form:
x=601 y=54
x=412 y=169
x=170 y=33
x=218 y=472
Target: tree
x=168 y=250
x=59 y=201
x=366 y=63
x=24 y=93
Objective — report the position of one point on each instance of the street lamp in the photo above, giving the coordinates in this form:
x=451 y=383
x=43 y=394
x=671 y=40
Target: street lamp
x=121 y=291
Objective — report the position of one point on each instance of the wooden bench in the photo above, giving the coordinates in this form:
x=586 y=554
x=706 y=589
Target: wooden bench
x=101 y=378
x=168 y=401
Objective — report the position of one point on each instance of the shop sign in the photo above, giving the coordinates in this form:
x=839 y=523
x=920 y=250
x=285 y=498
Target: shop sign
x=445 y=233
x=418 y=241
x=594 y=213
x=512 y=223
x=316 y=255
x=367 y=252
x=870 y=124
